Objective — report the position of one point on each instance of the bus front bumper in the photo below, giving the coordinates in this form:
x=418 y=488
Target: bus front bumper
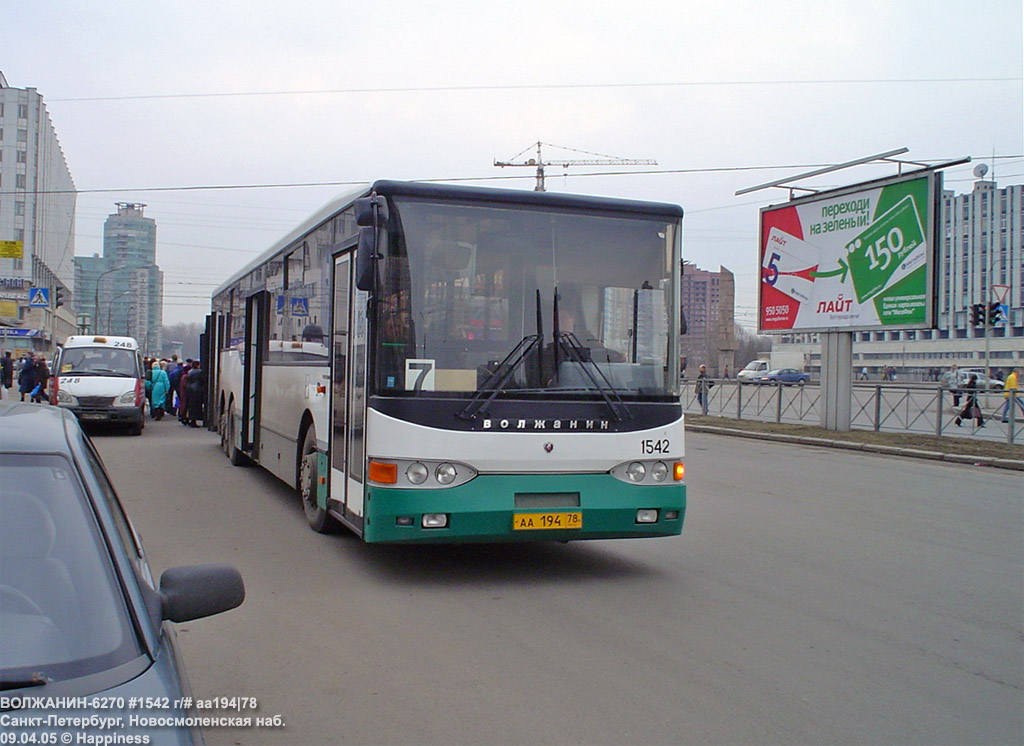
x=532 y=507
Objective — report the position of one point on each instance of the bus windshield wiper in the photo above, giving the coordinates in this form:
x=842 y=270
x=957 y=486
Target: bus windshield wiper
x=500 y=377
x=574 y=352
x=37 y=679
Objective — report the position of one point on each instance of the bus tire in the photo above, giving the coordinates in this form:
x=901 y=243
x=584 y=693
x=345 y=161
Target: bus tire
x=223 y=425
x=319 y=519
x=237 y=457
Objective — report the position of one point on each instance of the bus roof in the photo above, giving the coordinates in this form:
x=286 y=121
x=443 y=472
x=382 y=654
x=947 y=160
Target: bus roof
x=324 y=213
x=426 y=190
x=435 y=191
x=100 y=340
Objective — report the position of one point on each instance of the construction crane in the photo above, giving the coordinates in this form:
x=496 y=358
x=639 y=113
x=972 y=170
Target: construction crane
x=540 y=164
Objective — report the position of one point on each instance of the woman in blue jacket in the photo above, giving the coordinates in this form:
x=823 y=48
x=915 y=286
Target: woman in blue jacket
x=161 y=384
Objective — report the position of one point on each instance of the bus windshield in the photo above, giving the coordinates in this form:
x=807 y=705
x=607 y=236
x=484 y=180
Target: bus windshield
x=525 y=302
x=98 y=361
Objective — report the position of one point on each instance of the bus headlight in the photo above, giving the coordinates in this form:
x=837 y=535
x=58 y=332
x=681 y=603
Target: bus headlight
x=636 y=471
x=63 y=397
x=417 y=473
x=434 y=520
x=445 y=473
x=125 y=400
x=647 y=515
x=649 y=473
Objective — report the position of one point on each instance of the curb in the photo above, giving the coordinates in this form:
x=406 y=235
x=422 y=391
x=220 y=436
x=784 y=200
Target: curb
x=957 y=458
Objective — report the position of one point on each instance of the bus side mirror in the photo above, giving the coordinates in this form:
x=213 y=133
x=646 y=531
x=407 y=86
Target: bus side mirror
x=366 y=259
x=365 y=213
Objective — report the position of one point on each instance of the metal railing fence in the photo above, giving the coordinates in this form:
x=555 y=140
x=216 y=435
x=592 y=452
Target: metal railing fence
x=925 y=409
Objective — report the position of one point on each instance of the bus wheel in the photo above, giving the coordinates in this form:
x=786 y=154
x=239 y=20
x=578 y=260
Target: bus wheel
x=318 y=518
x=222 y=427
x=237 y=457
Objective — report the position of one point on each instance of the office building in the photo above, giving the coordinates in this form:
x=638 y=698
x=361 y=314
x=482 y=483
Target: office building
x=37 y=226
x=121 y=292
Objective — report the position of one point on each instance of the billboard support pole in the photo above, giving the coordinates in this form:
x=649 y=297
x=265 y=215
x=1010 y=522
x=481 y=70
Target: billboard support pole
x=836 y=380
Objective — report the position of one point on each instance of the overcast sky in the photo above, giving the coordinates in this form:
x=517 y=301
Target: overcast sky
x=336 y=91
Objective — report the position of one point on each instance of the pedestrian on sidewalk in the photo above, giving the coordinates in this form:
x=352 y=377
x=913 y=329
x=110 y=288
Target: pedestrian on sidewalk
x=971 y=408
x=6 y=374
x=702 y=387
x=1011 y=394
x=195 y=393
x=951 y=380
x=160 y=386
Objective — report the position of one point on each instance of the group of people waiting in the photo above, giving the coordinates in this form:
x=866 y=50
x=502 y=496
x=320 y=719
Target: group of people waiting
x=176 y=388
x=30 y=372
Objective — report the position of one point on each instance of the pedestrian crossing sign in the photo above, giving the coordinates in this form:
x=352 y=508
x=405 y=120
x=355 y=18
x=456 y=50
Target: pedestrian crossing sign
x=39 y=297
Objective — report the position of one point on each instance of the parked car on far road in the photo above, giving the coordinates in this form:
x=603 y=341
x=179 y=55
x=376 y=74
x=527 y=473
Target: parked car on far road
x=786 y=376
x=84 y=630
x=983 y=382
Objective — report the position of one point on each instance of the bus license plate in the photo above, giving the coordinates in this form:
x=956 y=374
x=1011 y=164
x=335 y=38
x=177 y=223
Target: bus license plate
x=546 y=521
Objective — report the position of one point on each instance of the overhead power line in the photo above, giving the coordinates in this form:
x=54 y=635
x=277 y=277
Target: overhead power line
x=539 y=87
x=360 y=182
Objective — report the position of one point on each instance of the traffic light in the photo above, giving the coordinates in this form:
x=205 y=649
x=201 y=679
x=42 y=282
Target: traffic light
x=995 y=313
x=977 y=314
x=58 y=296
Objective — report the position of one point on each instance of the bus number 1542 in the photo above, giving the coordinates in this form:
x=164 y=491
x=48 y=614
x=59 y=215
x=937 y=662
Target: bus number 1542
x=651 y=446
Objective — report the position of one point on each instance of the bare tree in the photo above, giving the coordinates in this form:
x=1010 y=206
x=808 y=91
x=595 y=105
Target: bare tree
x=751 y=346
x=185 y=335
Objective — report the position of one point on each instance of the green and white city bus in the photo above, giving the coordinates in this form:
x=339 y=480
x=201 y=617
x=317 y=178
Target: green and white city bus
x=437 y=363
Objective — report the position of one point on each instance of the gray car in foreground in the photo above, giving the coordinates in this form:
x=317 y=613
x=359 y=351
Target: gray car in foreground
x=86 y=648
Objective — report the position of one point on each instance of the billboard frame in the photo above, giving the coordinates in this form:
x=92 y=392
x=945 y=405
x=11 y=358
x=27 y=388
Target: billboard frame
x=931 y=231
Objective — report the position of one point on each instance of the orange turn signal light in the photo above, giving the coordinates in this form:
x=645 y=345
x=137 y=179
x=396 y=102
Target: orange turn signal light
x=383 y=473
x=678 y=471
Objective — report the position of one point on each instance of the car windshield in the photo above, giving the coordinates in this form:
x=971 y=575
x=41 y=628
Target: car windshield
x=548 y=304
x=62 y=612
x=98 y=361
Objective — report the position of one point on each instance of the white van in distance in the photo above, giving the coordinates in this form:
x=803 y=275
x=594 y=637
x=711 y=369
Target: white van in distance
x=753 y=369
x=99 y=378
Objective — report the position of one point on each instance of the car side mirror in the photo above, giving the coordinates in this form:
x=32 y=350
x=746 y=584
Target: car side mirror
x=199 y=591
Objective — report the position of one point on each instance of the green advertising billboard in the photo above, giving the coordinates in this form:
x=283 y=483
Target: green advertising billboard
x=859 y=258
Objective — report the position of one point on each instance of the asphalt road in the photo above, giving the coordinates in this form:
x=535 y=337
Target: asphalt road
x=815 y=596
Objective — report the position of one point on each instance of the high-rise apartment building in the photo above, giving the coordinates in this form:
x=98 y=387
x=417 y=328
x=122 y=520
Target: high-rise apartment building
x=708 y=301
x=121 y=292
x=37 y=225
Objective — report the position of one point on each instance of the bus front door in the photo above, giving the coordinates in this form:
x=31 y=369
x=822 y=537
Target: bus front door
x=256 y=307
x=340 y=344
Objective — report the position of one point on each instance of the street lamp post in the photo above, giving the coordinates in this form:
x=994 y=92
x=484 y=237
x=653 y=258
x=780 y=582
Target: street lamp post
x=110 y=309
x=96 y=301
